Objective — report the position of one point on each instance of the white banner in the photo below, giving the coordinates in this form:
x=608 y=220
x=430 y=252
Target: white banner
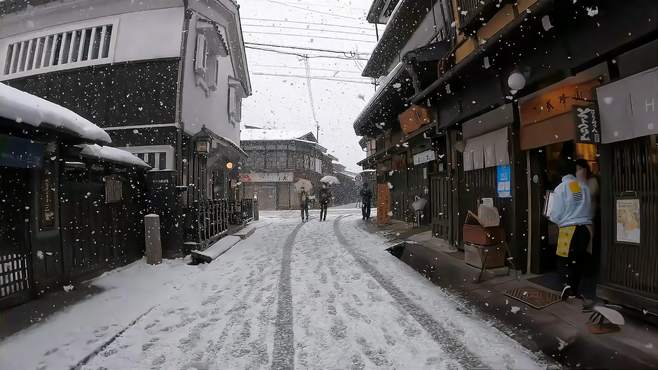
x=267 y=177
x=424 y=157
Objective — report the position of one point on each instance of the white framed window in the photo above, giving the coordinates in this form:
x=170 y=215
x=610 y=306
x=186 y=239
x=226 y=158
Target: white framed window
x=201 y=61
x=159 y=157
x=60 y=48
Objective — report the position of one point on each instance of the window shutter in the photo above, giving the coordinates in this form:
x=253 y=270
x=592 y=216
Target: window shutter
x=200 y=62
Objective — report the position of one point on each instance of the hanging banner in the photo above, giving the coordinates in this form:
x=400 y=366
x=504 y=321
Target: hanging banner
x=504 y=181
x=588 y=129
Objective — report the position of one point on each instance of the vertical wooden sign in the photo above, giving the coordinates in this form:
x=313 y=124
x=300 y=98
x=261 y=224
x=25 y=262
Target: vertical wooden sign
x=383 y=204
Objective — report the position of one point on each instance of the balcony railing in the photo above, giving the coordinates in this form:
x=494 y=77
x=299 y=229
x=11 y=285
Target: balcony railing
x=474 y=13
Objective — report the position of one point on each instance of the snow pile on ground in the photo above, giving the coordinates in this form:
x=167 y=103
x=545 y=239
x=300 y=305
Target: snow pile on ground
x=19 y=106
x=312 y=295
x=66 y=337
x=108 y=153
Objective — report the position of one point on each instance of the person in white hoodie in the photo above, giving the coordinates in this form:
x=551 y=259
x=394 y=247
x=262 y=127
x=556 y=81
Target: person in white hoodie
x=572 y=212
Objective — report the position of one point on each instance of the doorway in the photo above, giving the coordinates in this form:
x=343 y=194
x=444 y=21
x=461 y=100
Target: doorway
x=544 y=176
x=15 y=269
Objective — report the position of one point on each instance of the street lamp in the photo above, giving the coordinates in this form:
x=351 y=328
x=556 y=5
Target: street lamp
x=229 y=165
x=202 y=141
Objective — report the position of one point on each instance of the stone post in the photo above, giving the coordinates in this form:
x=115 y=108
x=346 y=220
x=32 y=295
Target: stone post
x=152 y=241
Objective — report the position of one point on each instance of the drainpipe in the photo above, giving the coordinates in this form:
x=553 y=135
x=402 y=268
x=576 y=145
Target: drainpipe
x=179 y=92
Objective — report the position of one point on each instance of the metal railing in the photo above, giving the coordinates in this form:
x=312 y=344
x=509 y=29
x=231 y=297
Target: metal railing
x=208 y=221
x=247 y=209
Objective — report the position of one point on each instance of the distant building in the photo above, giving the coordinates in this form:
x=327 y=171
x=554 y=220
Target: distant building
x=277 y=159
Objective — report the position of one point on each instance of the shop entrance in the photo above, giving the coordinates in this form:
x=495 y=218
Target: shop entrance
x=545 y=176
x=15 y=269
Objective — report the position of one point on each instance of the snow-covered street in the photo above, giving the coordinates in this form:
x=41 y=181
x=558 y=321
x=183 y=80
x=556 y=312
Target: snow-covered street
x=321 y=295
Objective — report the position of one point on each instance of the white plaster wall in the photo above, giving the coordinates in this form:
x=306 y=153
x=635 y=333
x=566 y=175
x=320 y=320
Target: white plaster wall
x=200 y=108
x=150 y=35
x=146 y=29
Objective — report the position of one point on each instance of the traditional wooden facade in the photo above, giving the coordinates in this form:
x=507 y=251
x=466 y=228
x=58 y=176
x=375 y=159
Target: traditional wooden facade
x=70 y=209
x=175 y=104
x=569 y=88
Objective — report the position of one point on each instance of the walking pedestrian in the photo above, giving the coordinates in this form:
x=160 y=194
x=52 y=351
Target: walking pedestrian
x=366 y=199
x=585 y=176
x=325 y=198
x=303 y=204
x=571 y=211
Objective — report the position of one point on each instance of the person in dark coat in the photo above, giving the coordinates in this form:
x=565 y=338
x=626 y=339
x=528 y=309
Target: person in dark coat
x=366 y=199
x=325 y=198
x=303 y=203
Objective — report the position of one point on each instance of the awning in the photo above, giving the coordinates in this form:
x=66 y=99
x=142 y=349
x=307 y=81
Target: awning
x=628 y=107
x=389 y=100
x=109 y=154
x=23 y=108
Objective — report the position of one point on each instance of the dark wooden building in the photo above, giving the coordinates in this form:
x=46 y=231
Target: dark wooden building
x=69 y=208
x=519 y=88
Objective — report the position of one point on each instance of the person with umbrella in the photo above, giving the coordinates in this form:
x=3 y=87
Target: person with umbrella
x=366 y=199
x=325 y=198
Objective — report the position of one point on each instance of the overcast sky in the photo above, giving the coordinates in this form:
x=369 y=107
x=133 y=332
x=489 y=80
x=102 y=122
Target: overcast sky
x=283 y=101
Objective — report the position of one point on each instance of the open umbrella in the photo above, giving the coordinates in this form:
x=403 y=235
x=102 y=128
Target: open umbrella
x=331 y=180
x=303 y=183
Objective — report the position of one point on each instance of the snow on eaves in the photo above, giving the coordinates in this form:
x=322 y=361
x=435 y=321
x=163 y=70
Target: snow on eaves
x=110 y=154
x=19 y=106
x=248 y=134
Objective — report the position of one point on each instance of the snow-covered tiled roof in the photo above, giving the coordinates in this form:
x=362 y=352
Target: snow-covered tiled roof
x=247 y=134
x=110 y=154
x=21 y=107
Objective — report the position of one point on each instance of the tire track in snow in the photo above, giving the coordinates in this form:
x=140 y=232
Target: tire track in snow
x=283 y=355
x=443 y=337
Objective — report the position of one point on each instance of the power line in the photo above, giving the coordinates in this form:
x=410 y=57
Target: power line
x=317 y=5
x=305 y=56
x=312 y=10
x=293 y=67
x=300 y=22
x=312 y=77
x=306 y=48
x=306 y=29
x=308 y=36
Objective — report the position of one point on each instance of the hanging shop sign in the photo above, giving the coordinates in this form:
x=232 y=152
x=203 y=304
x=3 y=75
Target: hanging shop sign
x=113 y=189
x=20 y=153
x=588 y=129
x=424 y=157
x=556 y=102
x=504 y=181
x=628 y=220
x=414 y=118
x=267 y=177
x=46 y=201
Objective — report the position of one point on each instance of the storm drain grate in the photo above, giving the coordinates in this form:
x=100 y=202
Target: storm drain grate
x=534 y=297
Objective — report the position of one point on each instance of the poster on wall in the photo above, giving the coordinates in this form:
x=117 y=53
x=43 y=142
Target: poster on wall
x=628 y=220
x=504 y=181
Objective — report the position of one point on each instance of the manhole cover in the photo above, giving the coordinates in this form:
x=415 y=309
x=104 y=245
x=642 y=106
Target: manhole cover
x=534 y=297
